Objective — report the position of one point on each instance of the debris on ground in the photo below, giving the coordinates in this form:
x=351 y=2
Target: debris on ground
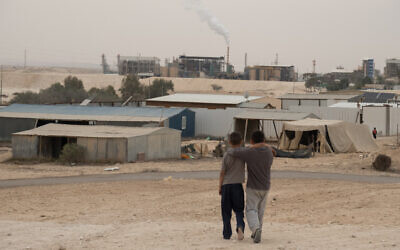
x=169 y=178
x=111 y=169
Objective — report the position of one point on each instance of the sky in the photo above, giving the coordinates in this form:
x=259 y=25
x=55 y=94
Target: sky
x=77 y=32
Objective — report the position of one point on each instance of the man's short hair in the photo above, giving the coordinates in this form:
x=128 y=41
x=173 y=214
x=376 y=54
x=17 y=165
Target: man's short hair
x=258 y=136
x=235 y=138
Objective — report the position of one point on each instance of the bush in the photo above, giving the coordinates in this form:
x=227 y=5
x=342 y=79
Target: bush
x=382 y=162
x=159 y=87
x=216 y=87
x=72 y=153
x=71 y=91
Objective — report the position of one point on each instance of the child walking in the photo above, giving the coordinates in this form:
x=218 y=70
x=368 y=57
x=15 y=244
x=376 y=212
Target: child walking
x=231 y=189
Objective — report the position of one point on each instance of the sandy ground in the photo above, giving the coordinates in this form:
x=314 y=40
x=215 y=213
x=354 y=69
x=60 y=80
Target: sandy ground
x=34 y=79
x=354 y=163
x=185 y=214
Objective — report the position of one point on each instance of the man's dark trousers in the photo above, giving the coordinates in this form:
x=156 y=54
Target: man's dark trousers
x=232 y=198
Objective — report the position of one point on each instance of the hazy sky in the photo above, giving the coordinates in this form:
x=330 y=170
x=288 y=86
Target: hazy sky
x=77 y=32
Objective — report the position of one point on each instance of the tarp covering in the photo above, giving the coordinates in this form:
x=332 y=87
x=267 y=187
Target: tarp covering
x=333 y=136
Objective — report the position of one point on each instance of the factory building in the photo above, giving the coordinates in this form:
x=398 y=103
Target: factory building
x=141 y=66
x=198 y=66
x=271 y=73
x=19 y=117
x=100 y=143
x=392 y=68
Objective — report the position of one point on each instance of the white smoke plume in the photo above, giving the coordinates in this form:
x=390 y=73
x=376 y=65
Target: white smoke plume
x=207 y=16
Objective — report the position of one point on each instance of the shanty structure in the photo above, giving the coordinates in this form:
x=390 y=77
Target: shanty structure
x=101 y=143
x=316 y=100
x=200 y=101
x=20 y=117
x=248 y=122
x=327 y=136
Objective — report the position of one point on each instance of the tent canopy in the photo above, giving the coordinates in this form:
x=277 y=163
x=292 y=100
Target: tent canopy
x=332 y=136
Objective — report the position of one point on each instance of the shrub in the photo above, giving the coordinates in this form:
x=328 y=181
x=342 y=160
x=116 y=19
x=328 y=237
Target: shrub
x=382 y=162
x=72 y=153
x=216 y=87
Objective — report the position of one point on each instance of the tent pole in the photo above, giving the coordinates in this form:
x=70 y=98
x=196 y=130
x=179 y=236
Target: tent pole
x=245 y=131
x=262 y=124
x=40 y=147
x=276 y=132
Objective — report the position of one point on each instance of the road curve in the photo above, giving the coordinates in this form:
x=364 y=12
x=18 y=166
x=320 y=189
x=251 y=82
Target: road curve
x=114 y=177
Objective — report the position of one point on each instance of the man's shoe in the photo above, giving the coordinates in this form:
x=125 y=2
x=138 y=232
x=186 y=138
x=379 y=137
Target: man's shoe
x=240 y=233
x=257 y=236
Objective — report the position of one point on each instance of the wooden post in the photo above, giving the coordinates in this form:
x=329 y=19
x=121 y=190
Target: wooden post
x=276 y=132
x=262 y=124
x=245 y=131
x=40 y=147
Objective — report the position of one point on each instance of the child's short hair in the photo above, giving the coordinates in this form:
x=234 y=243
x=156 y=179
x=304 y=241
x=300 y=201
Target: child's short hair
x=235 y=138
x=258 y=136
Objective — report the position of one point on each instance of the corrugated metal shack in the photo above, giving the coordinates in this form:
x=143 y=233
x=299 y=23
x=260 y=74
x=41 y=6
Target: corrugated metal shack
x=20 y=117
x=317 y=100
x=101 y=143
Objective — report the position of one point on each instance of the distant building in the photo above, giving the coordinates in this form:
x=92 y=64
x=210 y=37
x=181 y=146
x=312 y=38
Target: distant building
x=209 y=101
x=271 y=73
x=392 y=68
x=316 y=100
x=339 y=73
x=368 y=67
x=139 y=65
x=170 y=69
x=200 y=66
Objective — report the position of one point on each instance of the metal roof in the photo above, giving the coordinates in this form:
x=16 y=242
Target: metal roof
x=254 y=105
x=202 y=57
x=72 y=112
x=138 y=58
x=373 y=97
x=274 y=66
x=363 y=104
x=64 y=130
x=279 y=115
x=205 y=98
x=316 y=96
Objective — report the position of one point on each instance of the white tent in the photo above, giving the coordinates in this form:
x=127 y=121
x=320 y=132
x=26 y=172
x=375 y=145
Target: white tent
x=328 y=136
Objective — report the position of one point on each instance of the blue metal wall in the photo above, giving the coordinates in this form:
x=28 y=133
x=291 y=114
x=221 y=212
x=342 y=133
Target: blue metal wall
x=175 y=122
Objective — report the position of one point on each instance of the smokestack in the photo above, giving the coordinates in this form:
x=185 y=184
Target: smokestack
x=227 y=59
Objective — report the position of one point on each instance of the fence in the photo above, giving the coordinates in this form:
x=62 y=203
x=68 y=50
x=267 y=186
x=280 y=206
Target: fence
x=326 y=113
x=220 y=122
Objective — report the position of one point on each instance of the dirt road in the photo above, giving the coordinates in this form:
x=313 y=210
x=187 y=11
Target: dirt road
x=185 y=214
x=189 y=175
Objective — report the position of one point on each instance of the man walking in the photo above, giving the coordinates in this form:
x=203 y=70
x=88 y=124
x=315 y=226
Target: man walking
x=259 y=160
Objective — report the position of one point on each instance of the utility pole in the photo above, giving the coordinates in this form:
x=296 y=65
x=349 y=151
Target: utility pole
x=24 y=58
x=1 y=84
x=314 y=64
